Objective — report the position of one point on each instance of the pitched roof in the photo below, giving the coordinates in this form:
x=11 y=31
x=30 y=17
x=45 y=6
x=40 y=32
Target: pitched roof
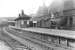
x=23 y=17
x=39 y=18
x=35 y=19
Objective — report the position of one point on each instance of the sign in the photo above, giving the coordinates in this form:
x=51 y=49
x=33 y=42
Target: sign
x=34 y=21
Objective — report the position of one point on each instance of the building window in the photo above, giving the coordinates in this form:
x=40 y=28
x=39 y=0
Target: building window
x=22 y=22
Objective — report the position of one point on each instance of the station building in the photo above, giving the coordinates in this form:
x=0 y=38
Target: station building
x=22 y=21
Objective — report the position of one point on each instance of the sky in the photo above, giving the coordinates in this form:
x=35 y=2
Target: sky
x=11 y=8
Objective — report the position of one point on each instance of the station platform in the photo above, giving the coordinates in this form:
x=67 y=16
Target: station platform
x=54 y=32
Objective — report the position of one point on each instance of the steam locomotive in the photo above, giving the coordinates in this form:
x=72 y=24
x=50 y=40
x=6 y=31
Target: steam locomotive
x=62 y=22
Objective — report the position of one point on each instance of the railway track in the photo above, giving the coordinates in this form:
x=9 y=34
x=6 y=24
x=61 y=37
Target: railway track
x=26 y=41
x=40 y=42
x=14 y=44
x=10 y=42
